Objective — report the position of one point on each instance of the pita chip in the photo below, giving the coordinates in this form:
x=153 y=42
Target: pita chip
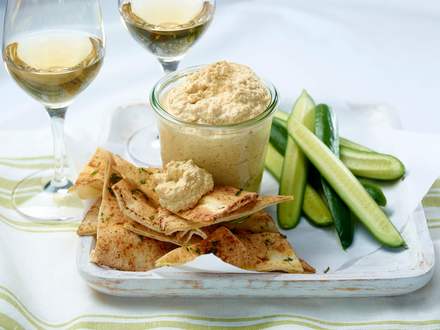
x=140 y=177
x=90 y=181
x=90 y=222
x=222 y=242
x=260 y=204
x=218 y=203
x=170 y=223
x=260 y=222
x=272 y=251
x=264 y=252
x=307 y=268
x=181 y=240
x=118 y=247
x=136 y=206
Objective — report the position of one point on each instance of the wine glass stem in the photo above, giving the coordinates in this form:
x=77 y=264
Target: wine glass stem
x=59 y=178
x=169 y=66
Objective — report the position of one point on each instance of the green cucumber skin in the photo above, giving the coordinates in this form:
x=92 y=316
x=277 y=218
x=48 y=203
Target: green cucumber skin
x=372 y=165
x=315 y=209
x=355 y=196
x=353 y=145
x=294 y=173
x=281 y=115
x=326 y=132
x=278 y=136
x=378 y=166
x=274 y=164
x=374 y=191
x=313 y=206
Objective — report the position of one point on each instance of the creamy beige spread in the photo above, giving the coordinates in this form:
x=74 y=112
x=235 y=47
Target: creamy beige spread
x=181 y=185
x=218 y=94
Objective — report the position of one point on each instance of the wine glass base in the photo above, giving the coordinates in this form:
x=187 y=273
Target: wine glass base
x=36 y=198
x=143 y=146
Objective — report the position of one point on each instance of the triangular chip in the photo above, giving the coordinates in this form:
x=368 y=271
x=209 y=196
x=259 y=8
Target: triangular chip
x=118 y=247
x=89 y=183
x=222 y=242
x=273 y=252
x=136 y=206
x=261 y=203
x=260 y=222
x=181 y=240
x=307 y=268
x=179 y=256
x=264 y=252
x=218 y=203
x=171 y=223
x=90 y=222
x=140 y=177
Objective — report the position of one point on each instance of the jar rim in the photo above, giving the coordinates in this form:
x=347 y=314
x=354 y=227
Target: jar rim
x=177 y=75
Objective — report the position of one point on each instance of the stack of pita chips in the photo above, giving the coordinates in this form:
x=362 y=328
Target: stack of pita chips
x=134 y=233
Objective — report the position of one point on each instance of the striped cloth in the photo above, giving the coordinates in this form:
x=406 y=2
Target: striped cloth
x=40 y=289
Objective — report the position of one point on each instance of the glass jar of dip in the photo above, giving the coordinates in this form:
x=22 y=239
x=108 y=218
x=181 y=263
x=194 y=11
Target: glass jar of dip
x=234 y=153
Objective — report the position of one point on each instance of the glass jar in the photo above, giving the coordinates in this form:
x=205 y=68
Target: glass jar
x=234 y=154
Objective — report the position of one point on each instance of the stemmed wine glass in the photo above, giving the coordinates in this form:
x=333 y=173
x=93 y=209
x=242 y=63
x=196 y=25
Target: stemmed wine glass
x=53 y=49
x=168 y=29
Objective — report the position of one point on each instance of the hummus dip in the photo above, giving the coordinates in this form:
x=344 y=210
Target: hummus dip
x=181 y=185
x=219 y=102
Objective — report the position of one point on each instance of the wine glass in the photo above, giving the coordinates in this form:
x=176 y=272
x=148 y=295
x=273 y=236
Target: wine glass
x=53 y=50
x=168 y=29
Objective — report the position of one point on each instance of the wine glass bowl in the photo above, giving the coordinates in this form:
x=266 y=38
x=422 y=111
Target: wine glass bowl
x=53 y=50
x=167 y=29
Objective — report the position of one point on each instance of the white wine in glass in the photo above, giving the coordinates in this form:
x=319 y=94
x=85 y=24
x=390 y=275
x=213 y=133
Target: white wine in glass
x=167 y=29
x=53 y=50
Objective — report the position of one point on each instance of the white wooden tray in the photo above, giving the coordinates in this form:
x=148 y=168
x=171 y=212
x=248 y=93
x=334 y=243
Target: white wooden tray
x=382 y=273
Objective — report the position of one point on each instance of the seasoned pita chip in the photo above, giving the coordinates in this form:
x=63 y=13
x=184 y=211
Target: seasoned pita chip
x=175 y=238
x=89 y=183
x=307 y=268
x=140 y=177
x=273 y=252
x=190 y=233
x=90 y=222
x=260 y=222
x=118 y=247
x=179 y=256
x=222 y=242
x=136 y=206
x=171 y=223
x=169 y=220
x=218 y=203
x=264 y=252
x=261 y=203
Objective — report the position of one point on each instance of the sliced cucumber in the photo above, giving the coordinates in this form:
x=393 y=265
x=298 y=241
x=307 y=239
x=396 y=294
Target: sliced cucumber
x=346 y=186
x=359 y=159
x=284 y=116
x=278 y=136
x=372 y=165
x=325 y=130
x=314 y=206
x=294 y=173
x=274 y=162
x=353 y=145
x=315 y=209
x=374 y=191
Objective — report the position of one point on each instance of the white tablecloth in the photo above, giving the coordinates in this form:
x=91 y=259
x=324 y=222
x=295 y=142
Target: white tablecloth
x=360 y=51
